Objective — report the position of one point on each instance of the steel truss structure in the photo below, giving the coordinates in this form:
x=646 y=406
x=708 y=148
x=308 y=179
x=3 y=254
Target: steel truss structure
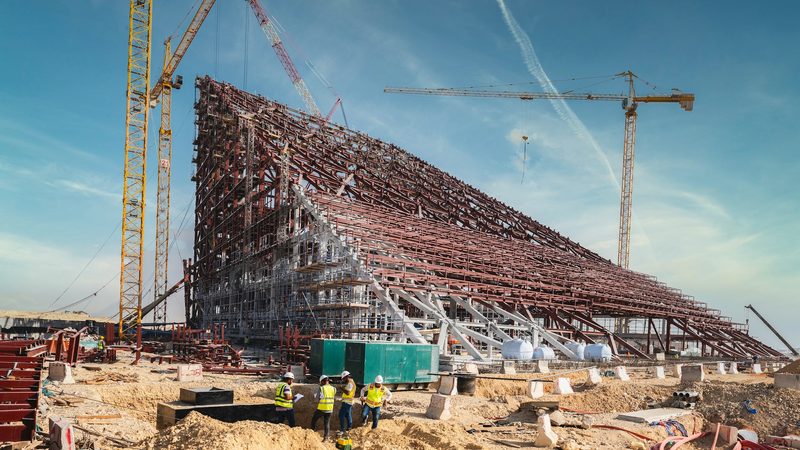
x=303 y=223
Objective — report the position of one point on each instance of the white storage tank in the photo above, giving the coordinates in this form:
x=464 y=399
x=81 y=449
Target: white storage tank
x=517 y=349
x=578 y=348
x=544 y=353
x=598 y=353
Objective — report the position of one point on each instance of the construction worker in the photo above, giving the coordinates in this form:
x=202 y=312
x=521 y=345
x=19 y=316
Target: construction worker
x=373 y=397
x=325 y=396
x=346 y=410
x=284 y=400
x=101 y=344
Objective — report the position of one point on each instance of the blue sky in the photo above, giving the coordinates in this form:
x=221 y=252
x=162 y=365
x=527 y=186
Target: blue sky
x=715 y=201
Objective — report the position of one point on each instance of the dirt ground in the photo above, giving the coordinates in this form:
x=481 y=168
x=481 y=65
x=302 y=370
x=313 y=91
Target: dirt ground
x=499 y=416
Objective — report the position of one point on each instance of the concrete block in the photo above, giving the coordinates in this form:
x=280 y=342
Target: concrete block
x=557 y=418
x=622 y=373
x=692 y=372
x=658 y=372
x=545 y=437
x=733 y=367
x=471 y=368
x=299 y=372
x=678 y=368
x=594 y=377
x=727 y=435
x=509 y=368
x=787 y=381
x=62 y=437
x=661 y=356
x=563 y=386
x=448 y=385
x=721 y=368
x=785 y=441
x=439 y=408
x=190 y=372
x=541 y=367
x=757 y=368
x=60 y=371
x=535 y=389
x=652 y=415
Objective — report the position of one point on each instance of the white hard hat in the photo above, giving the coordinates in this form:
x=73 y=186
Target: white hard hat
x=379 y=379
x=345 y=374
x=324 y=377
x=289 y=375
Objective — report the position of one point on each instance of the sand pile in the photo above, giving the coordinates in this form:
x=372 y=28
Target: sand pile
x=724 y=402
x=413 y=434
x=791 y=368
x=617 y=397
x=197 y=431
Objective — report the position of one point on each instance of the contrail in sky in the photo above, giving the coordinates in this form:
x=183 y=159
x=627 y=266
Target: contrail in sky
x=561 y=106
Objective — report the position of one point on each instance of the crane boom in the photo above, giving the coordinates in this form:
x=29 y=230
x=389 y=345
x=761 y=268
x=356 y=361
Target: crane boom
x=283 y=56
x=180 y=50
x=629 y=104
x=774 y=331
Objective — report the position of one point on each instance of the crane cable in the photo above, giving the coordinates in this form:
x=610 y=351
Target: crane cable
x=102 y=246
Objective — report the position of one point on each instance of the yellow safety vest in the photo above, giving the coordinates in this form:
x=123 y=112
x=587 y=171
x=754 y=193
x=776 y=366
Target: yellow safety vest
x=326 y=394
x=280 y=400
x=374 y=396
x=349 y=392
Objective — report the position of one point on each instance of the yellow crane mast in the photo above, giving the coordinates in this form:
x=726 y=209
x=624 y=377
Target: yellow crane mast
x=134 y=175
x=629 y=104
x=140 y=98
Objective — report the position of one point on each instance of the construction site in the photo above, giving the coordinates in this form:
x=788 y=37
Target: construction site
x=321 y=252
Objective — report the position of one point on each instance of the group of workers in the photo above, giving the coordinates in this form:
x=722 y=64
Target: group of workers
x=373 y=397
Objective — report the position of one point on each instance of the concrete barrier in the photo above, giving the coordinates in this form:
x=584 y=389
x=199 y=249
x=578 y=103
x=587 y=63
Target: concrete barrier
x=545 y=437
x=692 y=373
x=535 y=389
x=61 y=372
x=757 y=368
x=439 y=408
x=448 y=385
x=62 y=436
x=563 y=386
x=721 y=368
x=509 y=368
x=190 y=372
x=733 y=367
x=541 y=366
x=622 y=373
x=787 y=381
x=658 y=372
x=594 y=377
x=678 y=368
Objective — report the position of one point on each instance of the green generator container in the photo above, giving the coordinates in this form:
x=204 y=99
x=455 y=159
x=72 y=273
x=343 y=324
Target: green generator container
x=402 y=365
x=327 y=357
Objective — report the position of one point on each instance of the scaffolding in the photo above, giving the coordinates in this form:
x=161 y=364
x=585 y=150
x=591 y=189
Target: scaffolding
x=305 y=228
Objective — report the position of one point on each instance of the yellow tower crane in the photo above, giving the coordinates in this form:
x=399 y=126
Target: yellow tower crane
x=629 y=104
x=140 y=98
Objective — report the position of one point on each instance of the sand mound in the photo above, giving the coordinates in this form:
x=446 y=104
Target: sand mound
x=724 y=402
x=413 y=434
x=791 y=368
x=617 y=397
x=197 y=431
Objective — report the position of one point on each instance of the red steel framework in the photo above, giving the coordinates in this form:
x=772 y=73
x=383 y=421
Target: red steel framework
x=301 y=223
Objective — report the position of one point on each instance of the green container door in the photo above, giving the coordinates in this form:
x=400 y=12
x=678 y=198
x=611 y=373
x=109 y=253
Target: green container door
x=397 y=363
x=327 y=357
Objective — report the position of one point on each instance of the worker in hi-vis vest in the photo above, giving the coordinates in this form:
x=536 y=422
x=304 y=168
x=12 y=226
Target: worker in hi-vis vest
x=346 y=410
x=324 y=396
x=373 y=396
x=284 y=400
